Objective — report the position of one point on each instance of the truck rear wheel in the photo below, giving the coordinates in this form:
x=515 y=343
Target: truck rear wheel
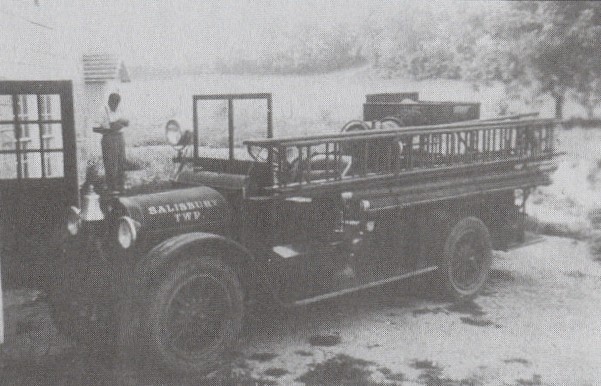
x=194 y=314
x=467 y=257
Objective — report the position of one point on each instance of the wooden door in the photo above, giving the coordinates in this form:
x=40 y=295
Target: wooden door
x=38 y=175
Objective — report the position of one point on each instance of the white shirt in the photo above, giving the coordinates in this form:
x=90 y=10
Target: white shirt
x=106 y=117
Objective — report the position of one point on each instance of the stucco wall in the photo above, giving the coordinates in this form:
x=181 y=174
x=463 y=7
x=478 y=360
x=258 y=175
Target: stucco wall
x=36 y=45
x=33 y=45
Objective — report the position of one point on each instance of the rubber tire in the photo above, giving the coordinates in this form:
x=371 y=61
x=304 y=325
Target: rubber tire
x=159 y=297
x=464 y=226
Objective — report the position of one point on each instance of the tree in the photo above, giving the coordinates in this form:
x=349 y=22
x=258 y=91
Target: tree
x=588 y=92
x=587 y=80
x=549 y=46
x=302 y=49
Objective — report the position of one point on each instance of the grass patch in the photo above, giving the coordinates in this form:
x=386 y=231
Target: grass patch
x=263 y=356
x=303 y=353
x=582 y=122
x=389 y=375
x=467 y=308
x=500 y=275
x=150 y=140
x=428 y=310
x=551 y=229
x=595 y=245
x=575 y=274
x=324 y=340
x=536 y=380
x=135 y=164
x=275 y=372
x=478 y=322
x=424 y=364
x=432 y=375
x=521 y=361
x=341 y=369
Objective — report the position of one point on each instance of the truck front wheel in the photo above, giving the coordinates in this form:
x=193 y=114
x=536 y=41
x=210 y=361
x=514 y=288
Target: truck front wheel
x=194 y=314
x=467 y=257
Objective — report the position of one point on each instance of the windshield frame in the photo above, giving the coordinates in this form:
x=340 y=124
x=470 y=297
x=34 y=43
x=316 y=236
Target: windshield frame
x=230 y=98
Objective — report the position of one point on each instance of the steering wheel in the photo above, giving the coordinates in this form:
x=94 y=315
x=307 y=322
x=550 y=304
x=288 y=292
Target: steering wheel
x=258 y=153
x=290 y=163
x=294 y=166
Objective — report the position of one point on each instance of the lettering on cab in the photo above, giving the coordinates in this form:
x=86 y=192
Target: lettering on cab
x=183 y=211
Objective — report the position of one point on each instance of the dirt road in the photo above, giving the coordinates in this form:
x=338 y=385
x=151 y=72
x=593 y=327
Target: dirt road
x=537 y=323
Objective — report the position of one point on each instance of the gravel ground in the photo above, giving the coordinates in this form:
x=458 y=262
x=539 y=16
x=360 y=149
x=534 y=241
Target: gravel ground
x=537 y=323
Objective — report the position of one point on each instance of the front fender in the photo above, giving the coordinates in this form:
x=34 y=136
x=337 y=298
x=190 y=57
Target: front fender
x=174 y=248
x=153 y=265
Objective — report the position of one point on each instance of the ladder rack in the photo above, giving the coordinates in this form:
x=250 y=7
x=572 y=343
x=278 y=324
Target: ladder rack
x=346 y=158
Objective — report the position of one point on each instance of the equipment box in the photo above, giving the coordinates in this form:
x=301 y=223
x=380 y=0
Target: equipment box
x=410 y=111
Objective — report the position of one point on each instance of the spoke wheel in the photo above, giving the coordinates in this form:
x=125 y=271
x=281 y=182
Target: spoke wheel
x=468 y=256
x=194 y=315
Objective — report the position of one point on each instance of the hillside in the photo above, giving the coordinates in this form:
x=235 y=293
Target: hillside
x=571 y=204
x=301 y=104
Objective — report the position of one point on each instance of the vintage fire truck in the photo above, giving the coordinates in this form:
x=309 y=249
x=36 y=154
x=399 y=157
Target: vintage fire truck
x=293 y=221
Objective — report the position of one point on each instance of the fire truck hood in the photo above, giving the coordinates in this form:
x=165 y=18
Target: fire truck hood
x=198 y=208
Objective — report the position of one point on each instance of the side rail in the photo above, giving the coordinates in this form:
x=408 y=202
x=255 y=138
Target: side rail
x=298 y=162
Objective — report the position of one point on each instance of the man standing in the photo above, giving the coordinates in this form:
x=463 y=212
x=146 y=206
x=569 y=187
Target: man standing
x=110 y=125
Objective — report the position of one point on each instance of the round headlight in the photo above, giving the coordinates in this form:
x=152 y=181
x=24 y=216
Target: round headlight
x=127 y=232
x=73 y=221
x=173 y=132
x=364 y=205
x=518 y=197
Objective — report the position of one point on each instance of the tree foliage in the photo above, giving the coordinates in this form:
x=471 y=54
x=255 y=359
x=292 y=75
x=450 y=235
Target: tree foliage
x=307 y=49
x=550 y=48
x=533 y=48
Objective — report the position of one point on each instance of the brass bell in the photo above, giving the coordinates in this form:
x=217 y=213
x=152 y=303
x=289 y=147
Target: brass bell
x=90 y=210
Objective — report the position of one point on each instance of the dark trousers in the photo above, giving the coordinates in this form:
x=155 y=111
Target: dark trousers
x=113 y=155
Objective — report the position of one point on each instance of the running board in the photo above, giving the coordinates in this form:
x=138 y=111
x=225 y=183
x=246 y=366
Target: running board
x=364 y=286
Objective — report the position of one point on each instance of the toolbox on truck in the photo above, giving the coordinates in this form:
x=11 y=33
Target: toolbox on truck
x=410 y=111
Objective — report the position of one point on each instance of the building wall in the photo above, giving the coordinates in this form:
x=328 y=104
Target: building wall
x=37 y=42
x=34 y=46
x=32 y=42
x=95 y=96
x=1 y=306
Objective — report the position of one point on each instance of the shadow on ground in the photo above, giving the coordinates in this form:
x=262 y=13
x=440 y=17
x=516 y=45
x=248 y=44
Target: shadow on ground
x=34 y=353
